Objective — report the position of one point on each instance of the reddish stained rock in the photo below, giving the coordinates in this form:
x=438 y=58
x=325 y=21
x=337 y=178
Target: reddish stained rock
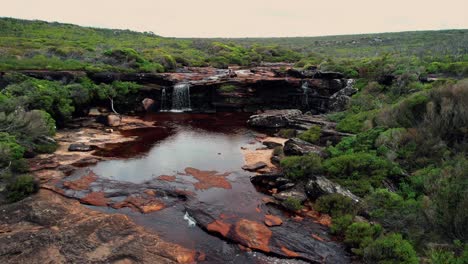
x=272 y=220
x=150 y=192
x=317 y=237
x=322 y=219
x=142 y=204
x=289 y=253
x=209 y=179
x=95 y=198
x=253 y=234
x=82 y=183
x=219 y=227
x=41 y=164
x=167 y=178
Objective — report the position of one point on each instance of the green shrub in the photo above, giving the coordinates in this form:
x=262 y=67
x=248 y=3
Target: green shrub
x=21 y=187
x=9 y=149
x=355 y=123
x=340 y=224
x=362 y=142
x=301 y=167
x=406 y=113
x=227 y=88
x=351 y=169
x=278 y=151
x=312 y=135
x=292 y=204
x=335 y=205
x=287 y=133
x=389 y=249
x=360 y=234
x=456 y=255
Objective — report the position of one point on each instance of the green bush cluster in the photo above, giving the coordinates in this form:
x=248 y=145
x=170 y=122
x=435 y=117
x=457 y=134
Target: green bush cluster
x=21 y=187
x=301 y=167
x=312 y=135
x=336 y=205
x=292 y=204
x=287 y=133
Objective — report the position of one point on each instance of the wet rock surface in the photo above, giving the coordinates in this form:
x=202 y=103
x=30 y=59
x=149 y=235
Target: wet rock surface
x=299 y=147
x=47 y=228
x=224 y=204
x=278 y=239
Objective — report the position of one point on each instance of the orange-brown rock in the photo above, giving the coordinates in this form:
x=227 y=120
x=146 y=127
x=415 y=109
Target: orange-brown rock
x=67 y=232
x=219 y=227
x=322 y=219
x=95 y=198
x=209 y=179
x=317 y=237
x=253 y=234
x=272 y=220
x=142 y=204
x=167 y=178
x=289 y=253
x=82 y=183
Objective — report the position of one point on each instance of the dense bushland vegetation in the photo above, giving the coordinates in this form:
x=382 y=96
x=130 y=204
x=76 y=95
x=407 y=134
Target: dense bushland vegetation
x=407 y=161
x=31 y=110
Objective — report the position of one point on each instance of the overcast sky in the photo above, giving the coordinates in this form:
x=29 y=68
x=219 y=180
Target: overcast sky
x=247 y=18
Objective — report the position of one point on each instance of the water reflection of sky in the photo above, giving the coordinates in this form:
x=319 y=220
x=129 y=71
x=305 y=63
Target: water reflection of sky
x=188 y=147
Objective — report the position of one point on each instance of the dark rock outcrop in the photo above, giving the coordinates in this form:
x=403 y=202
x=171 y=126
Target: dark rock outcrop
x=273 y=118
x=299 y=147
x=339 y=101
x=282 y=237
x=80 y=147
x=322 y=186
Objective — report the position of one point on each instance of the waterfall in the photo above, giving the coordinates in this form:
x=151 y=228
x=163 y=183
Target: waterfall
x=181 y=97
x=164 y=104
x=306 y=91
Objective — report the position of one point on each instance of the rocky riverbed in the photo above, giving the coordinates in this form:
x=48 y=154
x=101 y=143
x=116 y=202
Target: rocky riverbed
x=202 y=210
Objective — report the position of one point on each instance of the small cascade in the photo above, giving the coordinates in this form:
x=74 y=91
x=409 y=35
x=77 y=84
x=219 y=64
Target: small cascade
x=164 y=101
x=306 y=90
x=181 y=98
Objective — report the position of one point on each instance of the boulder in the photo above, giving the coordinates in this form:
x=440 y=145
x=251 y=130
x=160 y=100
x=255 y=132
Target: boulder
x=113 y=120
x=255 y=167
x=295 y=194
x=94 y=112
x=80 y=147
x=299 y=147
x=321 y=186
x=148 y=104
x=273 y=118
x=271 y=144
x=340 y=100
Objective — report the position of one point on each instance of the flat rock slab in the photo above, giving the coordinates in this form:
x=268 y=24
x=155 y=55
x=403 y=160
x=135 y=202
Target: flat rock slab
x=268 y=233
x=60 y=230
x=273 y=118
x=80 y=147
x=255 y=167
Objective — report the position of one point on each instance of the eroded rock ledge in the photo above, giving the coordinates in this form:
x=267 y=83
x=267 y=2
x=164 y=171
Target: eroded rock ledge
x=236 y=89
x=48 y=228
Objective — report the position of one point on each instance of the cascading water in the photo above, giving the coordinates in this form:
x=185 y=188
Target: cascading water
x=181 y=98
x=306 y=89
x=164 y=103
